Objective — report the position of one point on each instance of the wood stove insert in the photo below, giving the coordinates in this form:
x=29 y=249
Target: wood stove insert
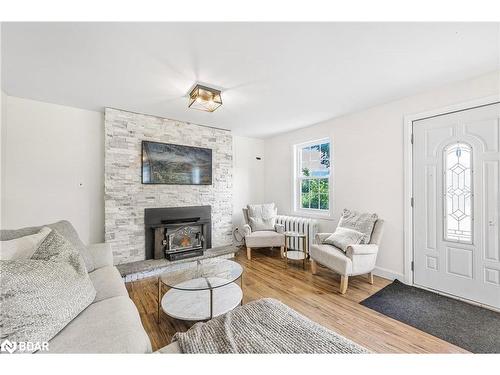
x=177 y=232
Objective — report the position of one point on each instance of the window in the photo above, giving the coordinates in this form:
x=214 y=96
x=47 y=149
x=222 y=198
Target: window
x=312 y=176
x=458 y=193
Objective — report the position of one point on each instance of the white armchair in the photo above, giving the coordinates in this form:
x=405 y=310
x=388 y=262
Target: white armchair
x=262 y=238
x=357 y=260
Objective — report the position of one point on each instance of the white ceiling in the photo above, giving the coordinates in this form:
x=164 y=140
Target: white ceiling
x=275 y=77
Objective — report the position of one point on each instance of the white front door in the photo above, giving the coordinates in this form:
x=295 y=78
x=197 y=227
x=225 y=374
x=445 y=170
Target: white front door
x=456 y=180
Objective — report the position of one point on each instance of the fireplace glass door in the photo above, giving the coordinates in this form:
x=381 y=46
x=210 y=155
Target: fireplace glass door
x=185 y=238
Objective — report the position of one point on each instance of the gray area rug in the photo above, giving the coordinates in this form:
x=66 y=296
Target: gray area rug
x=470 y=327
x=263 y=326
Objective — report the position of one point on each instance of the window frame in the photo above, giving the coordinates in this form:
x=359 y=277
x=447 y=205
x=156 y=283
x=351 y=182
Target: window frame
x=297 y=180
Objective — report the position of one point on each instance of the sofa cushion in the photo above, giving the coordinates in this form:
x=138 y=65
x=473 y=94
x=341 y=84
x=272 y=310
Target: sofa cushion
x=332 y=258
x=101 y=254
x=262 y=216
x=112 y=325
x=41 y=295
x=23 y=247
x=64 y=228
x=108 y=283
x=265 y=239
x=362 y=222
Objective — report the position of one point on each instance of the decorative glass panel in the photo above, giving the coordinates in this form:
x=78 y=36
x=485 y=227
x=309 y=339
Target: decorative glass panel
x=458 y=193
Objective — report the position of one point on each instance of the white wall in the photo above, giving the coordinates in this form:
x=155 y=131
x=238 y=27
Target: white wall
x=48 y=150
x=367 y=161
x=248 y=174
x=3 y=119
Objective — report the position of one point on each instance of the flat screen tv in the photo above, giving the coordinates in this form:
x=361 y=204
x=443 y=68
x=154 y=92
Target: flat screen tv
x=165 y=163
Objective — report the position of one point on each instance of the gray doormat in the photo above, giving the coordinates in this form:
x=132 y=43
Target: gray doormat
x=470 y=327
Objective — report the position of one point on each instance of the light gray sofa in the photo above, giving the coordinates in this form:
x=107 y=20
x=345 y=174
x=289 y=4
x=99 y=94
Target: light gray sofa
x=111 y=324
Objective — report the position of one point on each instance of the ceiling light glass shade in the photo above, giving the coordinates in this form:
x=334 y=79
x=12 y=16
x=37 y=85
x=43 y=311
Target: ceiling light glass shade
x=205 y=98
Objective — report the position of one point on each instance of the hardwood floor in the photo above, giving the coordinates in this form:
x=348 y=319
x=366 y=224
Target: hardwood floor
x=315 y=296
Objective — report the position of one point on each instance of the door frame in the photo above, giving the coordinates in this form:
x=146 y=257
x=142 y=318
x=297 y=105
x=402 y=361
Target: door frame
x=408 y=170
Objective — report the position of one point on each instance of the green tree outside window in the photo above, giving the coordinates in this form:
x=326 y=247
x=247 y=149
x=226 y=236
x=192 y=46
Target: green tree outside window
x=314 y=186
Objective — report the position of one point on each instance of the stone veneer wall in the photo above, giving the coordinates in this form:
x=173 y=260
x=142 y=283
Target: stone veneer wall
x=126 y=197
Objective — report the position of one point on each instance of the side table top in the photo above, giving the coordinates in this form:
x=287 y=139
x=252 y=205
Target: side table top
x=202 y=275
x=294 y=234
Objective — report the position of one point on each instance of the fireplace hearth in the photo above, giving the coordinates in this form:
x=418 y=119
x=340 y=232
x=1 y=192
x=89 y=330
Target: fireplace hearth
x=177 y=232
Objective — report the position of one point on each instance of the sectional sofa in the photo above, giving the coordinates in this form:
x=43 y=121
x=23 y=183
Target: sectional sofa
x=111 y=324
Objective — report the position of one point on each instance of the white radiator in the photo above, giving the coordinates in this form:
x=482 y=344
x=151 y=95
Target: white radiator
x=302 y=225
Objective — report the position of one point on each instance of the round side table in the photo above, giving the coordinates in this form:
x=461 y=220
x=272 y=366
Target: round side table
x=201 y=290
x=295 y=254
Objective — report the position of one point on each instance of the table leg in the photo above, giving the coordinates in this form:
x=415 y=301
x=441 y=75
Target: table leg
x=241 y=287
x=211 y=303
x=286 y=253
x=305 y=253
x=159 y=296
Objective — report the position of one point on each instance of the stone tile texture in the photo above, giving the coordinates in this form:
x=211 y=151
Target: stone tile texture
x=126 y=197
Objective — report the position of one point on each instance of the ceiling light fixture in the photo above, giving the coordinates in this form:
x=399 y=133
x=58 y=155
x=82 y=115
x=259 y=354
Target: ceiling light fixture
x=204 y=98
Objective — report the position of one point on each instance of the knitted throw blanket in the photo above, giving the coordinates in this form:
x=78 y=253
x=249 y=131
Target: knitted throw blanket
x=263 y=326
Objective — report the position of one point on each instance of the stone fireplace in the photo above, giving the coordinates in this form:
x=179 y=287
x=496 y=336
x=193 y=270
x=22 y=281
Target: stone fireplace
x=127 y=199
x=177 y=232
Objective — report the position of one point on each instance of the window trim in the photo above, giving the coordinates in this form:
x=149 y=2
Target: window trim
x=296 y=198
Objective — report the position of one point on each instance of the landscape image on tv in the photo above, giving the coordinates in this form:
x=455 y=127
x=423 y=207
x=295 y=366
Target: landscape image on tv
x=164 y=163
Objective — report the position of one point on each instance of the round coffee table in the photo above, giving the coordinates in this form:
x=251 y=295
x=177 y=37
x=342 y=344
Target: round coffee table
x=296 y=254
x=201 y=290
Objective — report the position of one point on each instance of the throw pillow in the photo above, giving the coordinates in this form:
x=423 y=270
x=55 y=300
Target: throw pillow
x=22 y=247
x=64 y=228
x=362 y=222
x=262 y=216
x=343 y=237
x=41 y=295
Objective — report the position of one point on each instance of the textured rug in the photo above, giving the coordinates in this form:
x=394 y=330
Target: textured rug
x=263 y=326
x=470 y=327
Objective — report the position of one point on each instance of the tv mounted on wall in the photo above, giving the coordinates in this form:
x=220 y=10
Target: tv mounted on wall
x=165 y=163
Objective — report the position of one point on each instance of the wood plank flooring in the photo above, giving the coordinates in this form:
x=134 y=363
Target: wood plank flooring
x=315 y=296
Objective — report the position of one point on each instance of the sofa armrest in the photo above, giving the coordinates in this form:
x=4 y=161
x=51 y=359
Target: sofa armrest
x=247 y=230
x=280 y=228
x=101 y=253
x=320 y=237
x=364 y=249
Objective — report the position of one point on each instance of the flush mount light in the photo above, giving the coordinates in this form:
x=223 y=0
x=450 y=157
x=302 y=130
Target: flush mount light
x=204 y=98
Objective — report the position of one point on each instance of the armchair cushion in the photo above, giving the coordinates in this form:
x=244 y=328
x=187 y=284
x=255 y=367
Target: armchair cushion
x=264 y=238
x=331 y=257
x=278 y=228
x=320 y=237
x=262 y=216
x=361 y=249
x=343 y=237
x=362 y=222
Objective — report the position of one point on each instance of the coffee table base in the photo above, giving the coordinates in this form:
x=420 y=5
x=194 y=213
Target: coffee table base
x=194 y=305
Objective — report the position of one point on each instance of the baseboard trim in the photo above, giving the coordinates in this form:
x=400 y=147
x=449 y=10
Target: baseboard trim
x=388 y=274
